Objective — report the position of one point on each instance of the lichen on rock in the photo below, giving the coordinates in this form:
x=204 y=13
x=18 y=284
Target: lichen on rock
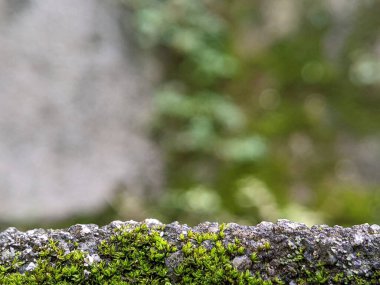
x=150 y=252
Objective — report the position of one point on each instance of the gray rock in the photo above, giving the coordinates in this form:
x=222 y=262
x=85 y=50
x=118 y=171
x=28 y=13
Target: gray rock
x=242 y=263
x=74 y=106
x=283 y=251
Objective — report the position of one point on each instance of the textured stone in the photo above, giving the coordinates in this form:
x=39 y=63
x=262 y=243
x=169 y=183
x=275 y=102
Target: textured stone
x=283 y=251
x=74 y=106
x=242 y=262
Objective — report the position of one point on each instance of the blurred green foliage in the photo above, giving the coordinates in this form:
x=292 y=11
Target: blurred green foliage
x=259 y=117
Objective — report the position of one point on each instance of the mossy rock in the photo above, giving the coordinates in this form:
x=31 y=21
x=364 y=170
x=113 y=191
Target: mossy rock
x=154 y=253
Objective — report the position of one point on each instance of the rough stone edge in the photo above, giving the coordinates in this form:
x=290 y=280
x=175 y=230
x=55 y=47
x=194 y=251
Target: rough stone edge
x=274 y=251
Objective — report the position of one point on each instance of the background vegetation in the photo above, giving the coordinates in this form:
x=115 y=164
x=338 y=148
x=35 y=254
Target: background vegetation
x=266 y=110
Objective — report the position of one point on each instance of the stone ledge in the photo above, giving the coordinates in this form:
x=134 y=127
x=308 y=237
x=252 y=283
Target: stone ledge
x=153 y=253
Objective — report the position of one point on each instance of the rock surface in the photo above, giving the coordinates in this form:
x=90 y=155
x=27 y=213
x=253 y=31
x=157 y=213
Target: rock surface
x=284 y=250
x=74 y=106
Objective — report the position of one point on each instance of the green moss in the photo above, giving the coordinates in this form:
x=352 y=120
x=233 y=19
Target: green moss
x=210 y=263
x=140 y=255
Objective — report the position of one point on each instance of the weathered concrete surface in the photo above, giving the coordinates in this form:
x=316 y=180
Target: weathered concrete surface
x=75 y=99
x=284 y=251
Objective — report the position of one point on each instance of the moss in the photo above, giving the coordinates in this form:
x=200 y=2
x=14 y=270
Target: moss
x=206 y=260
x=142 y=255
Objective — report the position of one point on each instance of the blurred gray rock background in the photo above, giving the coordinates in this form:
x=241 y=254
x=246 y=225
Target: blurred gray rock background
x=74 y=107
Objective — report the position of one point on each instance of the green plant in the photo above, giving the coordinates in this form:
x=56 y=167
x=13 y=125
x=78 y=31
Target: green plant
x=231 y=106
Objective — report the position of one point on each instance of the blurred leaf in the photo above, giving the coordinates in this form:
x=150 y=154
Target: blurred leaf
x=170 y=102
x=243 y=149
